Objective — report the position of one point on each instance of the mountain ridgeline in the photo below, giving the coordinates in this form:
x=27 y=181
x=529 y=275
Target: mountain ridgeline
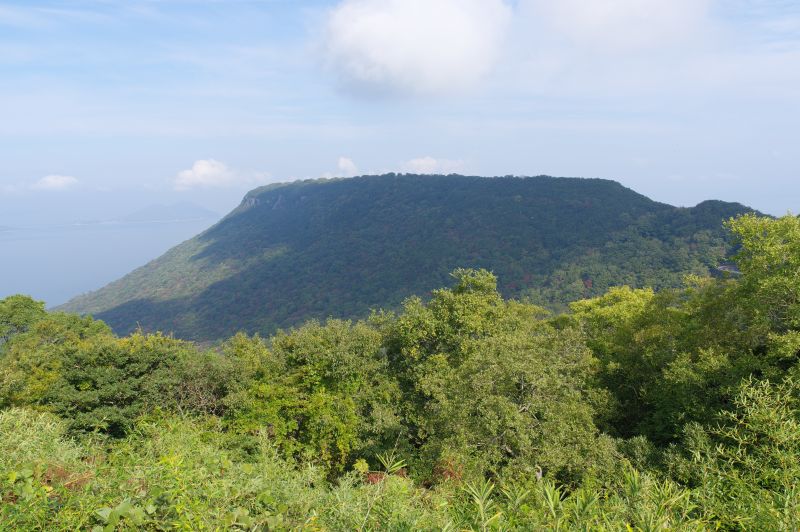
x=341 y=247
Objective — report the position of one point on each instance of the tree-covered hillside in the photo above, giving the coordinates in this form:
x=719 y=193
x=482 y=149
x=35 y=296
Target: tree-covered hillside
x=635 y=410
x=314 y=249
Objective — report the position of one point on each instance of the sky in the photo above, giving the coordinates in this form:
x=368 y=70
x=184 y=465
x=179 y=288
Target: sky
x=109 y=105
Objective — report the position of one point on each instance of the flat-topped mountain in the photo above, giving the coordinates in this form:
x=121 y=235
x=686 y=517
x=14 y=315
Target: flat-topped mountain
x=340 y=247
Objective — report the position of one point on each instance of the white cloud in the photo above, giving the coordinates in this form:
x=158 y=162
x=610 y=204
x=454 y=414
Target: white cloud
x=414 y=46
x=347 y=168
x=419 y=47
x=55 y=182
x=209 y=173
x=205 y=173
x=629 y=51
x=430 y=165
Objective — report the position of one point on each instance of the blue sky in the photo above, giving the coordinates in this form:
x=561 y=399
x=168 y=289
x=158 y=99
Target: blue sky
x=106 y=105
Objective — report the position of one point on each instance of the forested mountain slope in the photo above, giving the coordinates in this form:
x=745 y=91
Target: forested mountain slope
x=636 y=410
x=319 y=248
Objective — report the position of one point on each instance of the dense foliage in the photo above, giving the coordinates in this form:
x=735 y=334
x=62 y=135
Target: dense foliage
x=316 y=249
x=637 y=409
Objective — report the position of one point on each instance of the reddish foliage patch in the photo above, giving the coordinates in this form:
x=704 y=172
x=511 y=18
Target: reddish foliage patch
x=448 y=469
x=55 y=475
x=375 y=477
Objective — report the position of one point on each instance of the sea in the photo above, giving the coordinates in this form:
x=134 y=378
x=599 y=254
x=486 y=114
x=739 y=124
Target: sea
x=56 y=263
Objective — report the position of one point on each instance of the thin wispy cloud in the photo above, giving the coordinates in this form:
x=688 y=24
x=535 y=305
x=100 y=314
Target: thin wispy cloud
x=431 y=165
x=615 y=26
x=42 y=15
x=48 y=183
x=14 y=16
x=426 y=165
x=55 y=182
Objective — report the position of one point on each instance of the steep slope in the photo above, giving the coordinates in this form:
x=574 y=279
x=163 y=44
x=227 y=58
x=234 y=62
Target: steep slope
x=313 y=249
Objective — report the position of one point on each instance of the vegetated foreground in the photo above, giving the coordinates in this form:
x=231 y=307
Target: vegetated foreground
x=636 y=410
x=316 y=249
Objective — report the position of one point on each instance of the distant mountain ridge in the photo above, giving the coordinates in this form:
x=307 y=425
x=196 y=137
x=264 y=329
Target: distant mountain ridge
x=317 y=248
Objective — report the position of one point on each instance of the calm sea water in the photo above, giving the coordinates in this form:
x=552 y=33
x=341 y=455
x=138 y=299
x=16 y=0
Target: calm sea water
x=54 y=264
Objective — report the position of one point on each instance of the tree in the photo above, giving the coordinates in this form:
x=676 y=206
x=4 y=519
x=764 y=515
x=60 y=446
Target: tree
x=33 y=359
x=745 y=467
x=489 y=386
x=17 y=314
x=323 y=393
x=769 y=260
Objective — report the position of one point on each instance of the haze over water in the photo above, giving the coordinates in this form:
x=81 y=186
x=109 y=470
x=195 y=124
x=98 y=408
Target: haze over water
x=55 y=263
